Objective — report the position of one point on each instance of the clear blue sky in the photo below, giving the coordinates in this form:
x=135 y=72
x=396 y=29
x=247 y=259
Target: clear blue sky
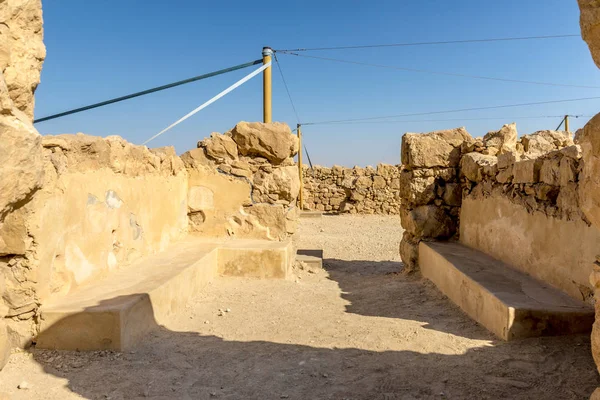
x=103 y=49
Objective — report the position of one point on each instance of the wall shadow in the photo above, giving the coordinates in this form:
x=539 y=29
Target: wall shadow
x=187 y=365
x=380 y=289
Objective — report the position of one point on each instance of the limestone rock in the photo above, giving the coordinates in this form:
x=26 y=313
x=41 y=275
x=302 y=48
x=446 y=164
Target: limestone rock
x=589 y=21
x=550 y=171
x=507 y=159
x=21 y=168
x=452 y=194
x=428 y=222
x=273 y=141
x=195 y=158
x=220 y=147
x=505 y=140
x=283 y=183
x=589 y=187
x=527 y=171
x=409 y=252
x=272 y=216
x=22 y=50
x=475 y=166
x=542 y=142
x=4 y=345
x=434 y=149
x=417 y=190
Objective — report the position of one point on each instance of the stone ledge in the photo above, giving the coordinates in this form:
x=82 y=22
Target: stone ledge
x=508 y=303
x=115 y=313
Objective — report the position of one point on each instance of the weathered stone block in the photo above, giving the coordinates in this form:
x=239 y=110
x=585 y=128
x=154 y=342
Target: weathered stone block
x=434 y=149
x=428 y=222
x=475 y=166
x=505 y=140
x=273 y=141
x=527 y=171
x=550 y=171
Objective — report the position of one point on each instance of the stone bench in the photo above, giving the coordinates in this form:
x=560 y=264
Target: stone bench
x=507 y=302
x=116 y=312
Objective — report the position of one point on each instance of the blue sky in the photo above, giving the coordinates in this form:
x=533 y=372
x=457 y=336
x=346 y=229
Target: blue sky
x=103 y=49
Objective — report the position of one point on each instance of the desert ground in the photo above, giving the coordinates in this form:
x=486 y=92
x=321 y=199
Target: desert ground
x=357 y=329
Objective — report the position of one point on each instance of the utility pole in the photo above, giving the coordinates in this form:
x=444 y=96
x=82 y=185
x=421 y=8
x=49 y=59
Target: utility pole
x=300 y=197
x=267 y=52
x=567 y=123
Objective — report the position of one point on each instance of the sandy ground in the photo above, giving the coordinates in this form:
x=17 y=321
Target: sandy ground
x=357 y=329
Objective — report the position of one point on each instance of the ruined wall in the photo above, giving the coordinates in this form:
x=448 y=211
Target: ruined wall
x=589 y=188
x=522 y=207
x=103 y=204
x=244 y=183
x=355 y=190
x=21 y=55
x=430 y=191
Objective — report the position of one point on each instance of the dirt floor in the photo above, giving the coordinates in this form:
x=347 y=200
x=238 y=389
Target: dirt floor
x=357 y=329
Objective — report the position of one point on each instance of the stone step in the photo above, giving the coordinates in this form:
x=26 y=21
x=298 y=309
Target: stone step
x=116 y=312
x=507 y=302
x=312 y=257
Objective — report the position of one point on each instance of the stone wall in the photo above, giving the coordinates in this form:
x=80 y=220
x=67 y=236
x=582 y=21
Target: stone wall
x=103 y=203
x=244 y=183
x=522 y=207
x=500 y=194
x=430 y=191
x=589 y=188
x=21 y=56
x=353 y=190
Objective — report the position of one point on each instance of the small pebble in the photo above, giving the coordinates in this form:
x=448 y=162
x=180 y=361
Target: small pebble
x=207 y=322
x=24 y=385
x=228 y=310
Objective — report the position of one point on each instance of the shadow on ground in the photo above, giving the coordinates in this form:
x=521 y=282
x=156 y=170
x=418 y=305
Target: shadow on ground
x=186 y=365
x=379 y=289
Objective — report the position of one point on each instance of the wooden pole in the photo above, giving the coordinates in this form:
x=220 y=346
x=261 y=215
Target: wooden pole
x=300 y=174
x=267 y=86
x=567 y=123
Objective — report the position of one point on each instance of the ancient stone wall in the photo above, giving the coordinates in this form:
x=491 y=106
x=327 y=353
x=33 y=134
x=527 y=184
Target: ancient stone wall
x=354 y=190
x=430 y=191
x=103 y=203
x=21 y=56
x=244 y=183
x=522 y=207
x=500 y=194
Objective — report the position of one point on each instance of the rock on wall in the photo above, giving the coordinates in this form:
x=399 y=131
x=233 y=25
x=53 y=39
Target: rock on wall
x=354 y=190
x=21 y=170
x=103 y=203
x=430 y=192
x=244 y=183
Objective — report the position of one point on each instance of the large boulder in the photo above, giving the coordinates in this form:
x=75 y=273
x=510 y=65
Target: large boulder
x=505 y=140
x=22 y=50
x=273 y=141
x=589 y=21
x=434 y=149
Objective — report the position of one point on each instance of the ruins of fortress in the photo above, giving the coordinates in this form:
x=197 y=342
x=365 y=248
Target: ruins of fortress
x=76 y=210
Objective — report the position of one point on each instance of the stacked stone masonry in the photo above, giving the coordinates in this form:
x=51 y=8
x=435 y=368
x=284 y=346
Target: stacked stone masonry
x=353 y=190
x=440 y=170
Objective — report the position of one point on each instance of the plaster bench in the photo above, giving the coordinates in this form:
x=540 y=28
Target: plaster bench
x=509 y=303
x=116 y=312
